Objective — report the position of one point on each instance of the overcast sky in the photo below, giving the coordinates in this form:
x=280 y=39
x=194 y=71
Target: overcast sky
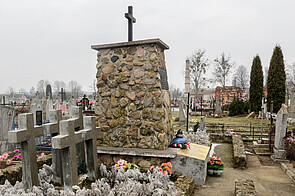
x=51 y=39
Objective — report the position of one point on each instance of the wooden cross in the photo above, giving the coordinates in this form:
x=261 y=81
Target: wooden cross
x=26 y=137
x=67 y=141
x=131 y=20
x=89 y=135
x=52 y=128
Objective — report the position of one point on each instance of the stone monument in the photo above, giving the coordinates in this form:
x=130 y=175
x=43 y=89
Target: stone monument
x=7 y=115
x=280 y=133
x=133 y=101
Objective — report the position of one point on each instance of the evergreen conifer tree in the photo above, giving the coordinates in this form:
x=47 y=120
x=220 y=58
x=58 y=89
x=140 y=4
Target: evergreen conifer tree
x=276 y=80
x=256 y=85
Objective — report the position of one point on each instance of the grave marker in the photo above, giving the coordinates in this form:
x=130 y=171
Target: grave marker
x=280 y=133
x=66 y=142
x=26 y=137
x=7 y=115
x=89 y=135
x=52 y=128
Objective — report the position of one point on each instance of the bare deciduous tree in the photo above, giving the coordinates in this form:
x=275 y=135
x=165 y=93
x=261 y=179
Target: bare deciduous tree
x=41 y=86
x=242 y=77
x=198 y=67
x=57 y=85
x=222 y=68
x=92 y=87
x=290 y=77
x=175 y=92
x=74 y=88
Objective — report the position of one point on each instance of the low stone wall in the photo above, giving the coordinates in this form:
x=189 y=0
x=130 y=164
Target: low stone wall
x=289 y=170
x=185 y=185
x=220 y=138
x=238 y=151
x=244 y=187
x=14 y=172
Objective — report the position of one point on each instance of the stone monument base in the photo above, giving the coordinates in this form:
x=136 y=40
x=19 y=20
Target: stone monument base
x=279 y=155
x=145 y=158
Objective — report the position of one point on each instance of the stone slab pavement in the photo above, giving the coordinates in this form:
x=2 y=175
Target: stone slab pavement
x=268 y=180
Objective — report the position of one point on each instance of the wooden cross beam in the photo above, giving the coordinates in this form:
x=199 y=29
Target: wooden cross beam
x=89 y=135
x=26 y=137
x=131 y=20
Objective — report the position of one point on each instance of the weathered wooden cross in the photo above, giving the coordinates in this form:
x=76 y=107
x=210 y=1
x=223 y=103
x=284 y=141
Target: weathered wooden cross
x=67 y=141
x=131 y=20
x=89 y=135
x=26 y=137
x=52 y=128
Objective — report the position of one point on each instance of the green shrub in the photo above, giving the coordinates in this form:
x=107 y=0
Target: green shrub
x=236 y=107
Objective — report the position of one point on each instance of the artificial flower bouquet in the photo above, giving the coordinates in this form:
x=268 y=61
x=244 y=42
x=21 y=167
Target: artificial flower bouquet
x=165 y=168
x=125 y=165
x=215 y=163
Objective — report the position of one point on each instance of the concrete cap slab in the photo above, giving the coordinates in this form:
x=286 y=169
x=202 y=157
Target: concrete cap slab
x=157 y=41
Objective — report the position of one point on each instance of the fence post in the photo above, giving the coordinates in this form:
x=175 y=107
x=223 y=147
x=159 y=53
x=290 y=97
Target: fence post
x=253 y=134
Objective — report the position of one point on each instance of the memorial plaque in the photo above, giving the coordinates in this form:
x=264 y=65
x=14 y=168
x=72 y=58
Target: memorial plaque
x=39 y=117
x=197 y=152
x=164 y=81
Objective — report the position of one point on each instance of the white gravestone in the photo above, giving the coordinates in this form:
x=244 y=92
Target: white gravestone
x=26 y=137
x=280 y=133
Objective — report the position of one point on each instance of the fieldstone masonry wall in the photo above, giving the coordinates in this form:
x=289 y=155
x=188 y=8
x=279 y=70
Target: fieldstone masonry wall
x=132 y=105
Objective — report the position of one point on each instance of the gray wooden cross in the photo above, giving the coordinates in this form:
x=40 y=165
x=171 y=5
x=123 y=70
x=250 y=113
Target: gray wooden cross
x=131 y=20
x=89 y=135
x=52 y=128
x=67 y=141
x=26 y=137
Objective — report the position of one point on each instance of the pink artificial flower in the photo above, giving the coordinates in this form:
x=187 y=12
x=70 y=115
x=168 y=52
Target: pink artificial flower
x=20 y=156
x=16 y=150
x=238 y=134
x=8 y=161
x=5 y=156
x=42 y=155
x=1 y=158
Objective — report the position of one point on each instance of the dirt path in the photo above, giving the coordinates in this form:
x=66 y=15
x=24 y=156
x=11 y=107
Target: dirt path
x=268 y=180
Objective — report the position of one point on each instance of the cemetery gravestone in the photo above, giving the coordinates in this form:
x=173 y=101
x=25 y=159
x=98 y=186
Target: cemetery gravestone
x=7 y=115
x=66 y=142
x=280 y=133
x=26 y=137
x=218 y=106
x=182 y=114
x=52 y=128
x=77 y=117
x=291 y=113
x=202 y=124
x=89 y=135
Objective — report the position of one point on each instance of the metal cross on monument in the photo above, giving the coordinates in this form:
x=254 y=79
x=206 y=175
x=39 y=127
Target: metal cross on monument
x=63 y=94
x=131 y=20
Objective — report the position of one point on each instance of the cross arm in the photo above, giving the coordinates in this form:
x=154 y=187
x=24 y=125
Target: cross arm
x=50 y=128
x=38 y=130
x=60 y=142
x=17 y=136
x=130 y=17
